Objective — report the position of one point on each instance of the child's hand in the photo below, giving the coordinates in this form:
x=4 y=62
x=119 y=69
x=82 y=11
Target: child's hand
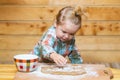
x=58 y=59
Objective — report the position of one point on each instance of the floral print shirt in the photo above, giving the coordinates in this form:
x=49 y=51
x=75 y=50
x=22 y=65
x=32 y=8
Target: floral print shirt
x=50 y=43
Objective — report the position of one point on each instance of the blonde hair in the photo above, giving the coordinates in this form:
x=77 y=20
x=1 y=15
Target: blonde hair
x=70 y=13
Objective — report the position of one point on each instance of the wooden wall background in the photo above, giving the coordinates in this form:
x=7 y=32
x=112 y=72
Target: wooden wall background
x=22 y=22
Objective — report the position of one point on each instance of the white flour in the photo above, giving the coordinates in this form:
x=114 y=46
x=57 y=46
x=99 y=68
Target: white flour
x=89 y=72
x=66 y=69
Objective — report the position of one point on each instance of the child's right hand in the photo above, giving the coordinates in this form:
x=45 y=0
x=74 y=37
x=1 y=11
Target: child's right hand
x=58 y=59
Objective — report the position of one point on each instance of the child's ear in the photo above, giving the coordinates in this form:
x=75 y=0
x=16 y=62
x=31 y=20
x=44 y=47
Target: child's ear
x=55 y=24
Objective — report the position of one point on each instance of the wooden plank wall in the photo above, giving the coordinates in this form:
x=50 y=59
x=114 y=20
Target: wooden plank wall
x=22 y=22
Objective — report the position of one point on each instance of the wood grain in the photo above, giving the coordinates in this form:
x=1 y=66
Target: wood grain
x=83 y=42
x=22 y=22
x=41 y=13
x=39 y=27
x=92 y=56
x=61 y=2
x=6 y=69
x=100 y=56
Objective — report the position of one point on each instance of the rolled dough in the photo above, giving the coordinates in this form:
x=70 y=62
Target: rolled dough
x=66 y=70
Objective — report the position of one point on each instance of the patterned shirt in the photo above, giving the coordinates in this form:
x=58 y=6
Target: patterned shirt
x=49 y=43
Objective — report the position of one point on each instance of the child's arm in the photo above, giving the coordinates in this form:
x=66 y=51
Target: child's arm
x=75 y=57
x=50 y=53
x=45 y=45
x=45 y=49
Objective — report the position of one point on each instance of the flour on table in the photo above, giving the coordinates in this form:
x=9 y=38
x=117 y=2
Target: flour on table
x=66 y=69
x=88 y=70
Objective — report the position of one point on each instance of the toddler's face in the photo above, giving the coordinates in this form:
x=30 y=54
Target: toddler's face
x=66 y=31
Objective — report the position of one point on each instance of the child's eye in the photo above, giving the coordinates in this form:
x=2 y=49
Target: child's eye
x=63 y=31
x=72 y=34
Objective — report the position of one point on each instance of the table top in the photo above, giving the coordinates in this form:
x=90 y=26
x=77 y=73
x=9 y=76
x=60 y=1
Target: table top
x=8 y=71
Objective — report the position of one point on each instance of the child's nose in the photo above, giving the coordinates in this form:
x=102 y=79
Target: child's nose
x=66 y=35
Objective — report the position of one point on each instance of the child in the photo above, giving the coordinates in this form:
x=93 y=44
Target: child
x=59 y=40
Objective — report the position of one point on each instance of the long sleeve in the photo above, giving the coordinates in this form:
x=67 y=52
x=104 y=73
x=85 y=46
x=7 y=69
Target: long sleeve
x=45 y=46
x=75 y=57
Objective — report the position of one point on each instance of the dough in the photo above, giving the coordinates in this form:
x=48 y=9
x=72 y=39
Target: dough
x=66 y=70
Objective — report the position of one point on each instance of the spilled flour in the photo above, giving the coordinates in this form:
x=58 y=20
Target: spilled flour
x=89 y=72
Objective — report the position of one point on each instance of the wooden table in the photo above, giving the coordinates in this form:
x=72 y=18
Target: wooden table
x=8 y=71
